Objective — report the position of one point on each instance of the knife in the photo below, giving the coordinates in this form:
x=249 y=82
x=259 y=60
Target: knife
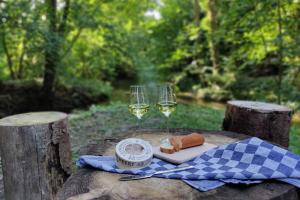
x=137 y=177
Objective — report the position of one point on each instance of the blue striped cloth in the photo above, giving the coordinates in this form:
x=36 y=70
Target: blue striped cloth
x=245 y=162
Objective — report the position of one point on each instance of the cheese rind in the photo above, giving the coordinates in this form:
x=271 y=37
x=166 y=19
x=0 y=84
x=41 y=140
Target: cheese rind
x=133 y=153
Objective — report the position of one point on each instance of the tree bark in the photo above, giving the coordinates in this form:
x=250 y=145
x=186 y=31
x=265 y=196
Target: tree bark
x=264 y=120
x=214 y=48
x=94 y=184
x=53 y=45
x=36 y=155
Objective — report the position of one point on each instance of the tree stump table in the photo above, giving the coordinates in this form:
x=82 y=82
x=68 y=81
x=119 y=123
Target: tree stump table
x=264 y=120
x=91 y=184
x=36 y=155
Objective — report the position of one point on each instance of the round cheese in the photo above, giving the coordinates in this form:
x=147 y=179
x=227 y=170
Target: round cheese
x=133 y=153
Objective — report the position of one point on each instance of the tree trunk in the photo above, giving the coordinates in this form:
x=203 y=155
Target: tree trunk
x=36 y=155
x=21 y=59
x=264 y=120
x=197 y=21
x=51 y=55
x=280 y=56
x=214 y=49
x=53 y=45
x=8 y=57
x=197 y=10
x=49 y=76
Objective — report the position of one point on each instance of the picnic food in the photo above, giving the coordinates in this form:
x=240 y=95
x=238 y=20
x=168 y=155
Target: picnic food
x=166 y=146
x=133 y=153
x=176 y=143
x=168 y=150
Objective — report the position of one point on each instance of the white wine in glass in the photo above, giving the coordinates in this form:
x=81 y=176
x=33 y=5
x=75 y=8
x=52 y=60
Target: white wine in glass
x=139 y=104
x=166 y=107
x=138 y=109
x=166 y=101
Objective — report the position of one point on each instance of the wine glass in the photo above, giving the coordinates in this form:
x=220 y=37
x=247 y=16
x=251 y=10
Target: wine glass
x=139 y=104
x=166 y=101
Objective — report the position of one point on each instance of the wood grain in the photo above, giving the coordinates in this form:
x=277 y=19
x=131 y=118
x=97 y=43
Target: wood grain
x=264 y=120
x=90 y=184
x=36 y=155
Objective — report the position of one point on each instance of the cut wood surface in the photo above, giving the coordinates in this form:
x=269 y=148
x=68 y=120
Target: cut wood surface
x=264 y=120
x=36 y=155
x=91 y=184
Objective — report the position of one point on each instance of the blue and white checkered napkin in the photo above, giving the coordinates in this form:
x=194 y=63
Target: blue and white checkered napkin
x=248 y=161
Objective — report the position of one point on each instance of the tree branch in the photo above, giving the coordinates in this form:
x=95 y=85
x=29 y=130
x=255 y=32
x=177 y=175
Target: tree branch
x=197 y=10
x=62 y=26
x=75 y=38
x=21 y=59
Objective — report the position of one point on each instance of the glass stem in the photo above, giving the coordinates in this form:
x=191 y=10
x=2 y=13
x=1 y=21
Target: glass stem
x=138 y=125
x=168 y=131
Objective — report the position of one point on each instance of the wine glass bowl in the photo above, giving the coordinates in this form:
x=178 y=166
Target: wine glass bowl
x=139 y=104
x=166 y=107
x=166 y=101
x=138 y=109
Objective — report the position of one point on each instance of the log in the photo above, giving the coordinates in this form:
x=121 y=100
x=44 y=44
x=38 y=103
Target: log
x=91 y=184
x=264 y=120
x=36 y=155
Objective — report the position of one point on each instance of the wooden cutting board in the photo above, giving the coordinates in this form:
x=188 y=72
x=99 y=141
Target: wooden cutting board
x=183 y=155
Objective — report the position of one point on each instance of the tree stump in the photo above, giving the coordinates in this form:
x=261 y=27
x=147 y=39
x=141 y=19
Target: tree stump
x=36 y=155
x=264 y=120
x=91 y=184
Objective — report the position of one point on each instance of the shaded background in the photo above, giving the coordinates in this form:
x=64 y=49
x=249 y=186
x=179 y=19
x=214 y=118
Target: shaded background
x=63 y=54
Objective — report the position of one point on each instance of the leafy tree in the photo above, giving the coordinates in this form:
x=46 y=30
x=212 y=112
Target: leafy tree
x=252 y=45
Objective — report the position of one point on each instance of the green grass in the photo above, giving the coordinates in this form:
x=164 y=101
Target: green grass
x=89 y=126
x=295 y=138
x=107 y=120
x=115 y=116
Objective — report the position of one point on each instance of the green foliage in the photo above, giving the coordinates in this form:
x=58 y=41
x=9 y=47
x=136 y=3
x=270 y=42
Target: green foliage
x=295 y=138
x=98 y=41
x=257 y=43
